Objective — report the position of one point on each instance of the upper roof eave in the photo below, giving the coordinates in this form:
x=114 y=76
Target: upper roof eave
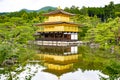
x=58 y=11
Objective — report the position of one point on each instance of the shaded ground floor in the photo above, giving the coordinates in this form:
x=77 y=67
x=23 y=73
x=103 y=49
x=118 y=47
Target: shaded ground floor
x=57 y=36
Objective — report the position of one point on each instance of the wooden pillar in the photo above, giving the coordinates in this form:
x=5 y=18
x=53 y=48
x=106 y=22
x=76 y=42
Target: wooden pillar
x=54 y=35
x=62 y=36
x=43 y=36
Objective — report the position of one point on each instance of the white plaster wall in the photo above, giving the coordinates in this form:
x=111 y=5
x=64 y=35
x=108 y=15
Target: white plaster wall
x=74 y=36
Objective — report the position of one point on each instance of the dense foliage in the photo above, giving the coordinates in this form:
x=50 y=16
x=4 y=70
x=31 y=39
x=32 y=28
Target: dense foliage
x=16 y=30
x=108 y=11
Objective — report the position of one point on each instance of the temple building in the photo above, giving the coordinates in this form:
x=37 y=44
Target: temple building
x=57 y=38
x=57 y=27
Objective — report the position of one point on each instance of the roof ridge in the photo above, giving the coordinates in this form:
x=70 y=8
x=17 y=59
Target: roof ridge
x=59 y=11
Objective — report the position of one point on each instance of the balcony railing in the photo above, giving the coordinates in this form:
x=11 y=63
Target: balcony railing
x=56 y=39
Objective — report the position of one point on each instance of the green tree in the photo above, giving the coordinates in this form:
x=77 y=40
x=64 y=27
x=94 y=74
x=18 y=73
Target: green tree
x=106 y=33
x=15 y=35
x=86 y=23
x=109 y=11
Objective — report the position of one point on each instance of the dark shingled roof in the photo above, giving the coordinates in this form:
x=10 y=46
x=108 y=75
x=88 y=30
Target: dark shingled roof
x=58 y=11
x=53 y=23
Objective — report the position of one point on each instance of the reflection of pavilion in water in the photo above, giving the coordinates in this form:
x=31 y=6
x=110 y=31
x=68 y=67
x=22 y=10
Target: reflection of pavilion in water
x=58 y=60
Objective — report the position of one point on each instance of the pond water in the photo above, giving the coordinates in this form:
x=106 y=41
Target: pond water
x=59 y=63
x=36 y=72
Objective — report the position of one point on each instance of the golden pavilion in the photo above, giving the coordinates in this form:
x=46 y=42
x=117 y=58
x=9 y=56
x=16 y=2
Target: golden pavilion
x=57 y=27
